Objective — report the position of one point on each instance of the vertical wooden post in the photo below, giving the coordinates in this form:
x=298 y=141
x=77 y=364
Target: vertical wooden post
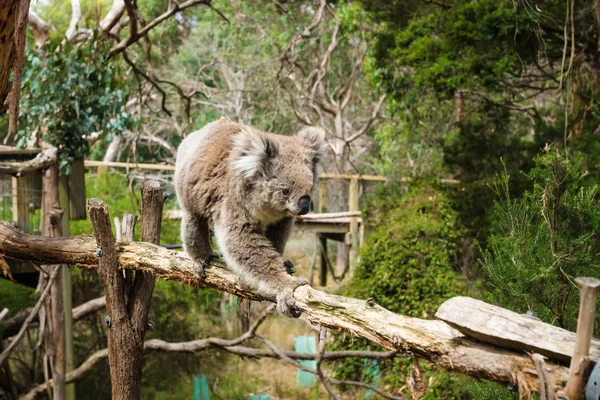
x=127 y=300
x=354 y=235
x=588 y=292
x=20 y=207
x=52 y=226
x=323 y=270
x=67 y=284
x=323 y=196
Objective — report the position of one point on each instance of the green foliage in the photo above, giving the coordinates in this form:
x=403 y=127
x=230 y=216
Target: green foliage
x=15 y=297
x=486 y=390
x=544 y=240
x=406 y=267
x=70 y=93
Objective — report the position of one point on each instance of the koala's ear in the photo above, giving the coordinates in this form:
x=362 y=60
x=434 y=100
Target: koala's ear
x=252 y=150
x=314 y=138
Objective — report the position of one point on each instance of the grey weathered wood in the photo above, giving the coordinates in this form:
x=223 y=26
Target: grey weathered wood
x=588 y=293
x=509 y=329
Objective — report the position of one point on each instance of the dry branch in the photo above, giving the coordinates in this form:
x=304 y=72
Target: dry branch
x=32 y=314
x=41 y=162
x=435 y=341
x=11 y=326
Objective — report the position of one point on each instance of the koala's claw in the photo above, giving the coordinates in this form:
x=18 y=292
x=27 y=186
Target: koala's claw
x=289 y=267
x=200 y=266
x=286 y=304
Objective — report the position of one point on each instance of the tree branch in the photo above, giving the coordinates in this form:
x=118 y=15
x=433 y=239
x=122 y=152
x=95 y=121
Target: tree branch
x=41 y=162
x=429 y=339
x=135 y=35
x=34 y=312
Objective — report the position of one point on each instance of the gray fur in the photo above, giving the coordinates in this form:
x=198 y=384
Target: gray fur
x=247 y=184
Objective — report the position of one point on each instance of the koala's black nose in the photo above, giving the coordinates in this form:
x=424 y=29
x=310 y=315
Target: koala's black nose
x=304 y=205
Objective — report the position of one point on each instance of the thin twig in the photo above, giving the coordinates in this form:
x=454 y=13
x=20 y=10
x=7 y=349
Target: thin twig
x=6 y=353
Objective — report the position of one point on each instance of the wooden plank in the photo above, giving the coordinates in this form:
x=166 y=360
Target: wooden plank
x=509 y=329
x=115 y=164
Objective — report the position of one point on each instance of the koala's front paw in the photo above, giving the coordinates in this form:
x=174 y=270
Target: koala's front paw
x=286 y=304
x=200 y=266
x=289 y=267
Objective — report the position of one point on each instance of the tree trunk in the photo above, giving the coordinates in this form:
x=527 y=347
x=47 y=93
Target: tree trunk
x=127 y=302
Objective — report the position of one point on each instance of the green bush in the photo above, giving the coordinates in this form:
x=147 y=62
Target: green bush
x=406 y=267
x=544 y=240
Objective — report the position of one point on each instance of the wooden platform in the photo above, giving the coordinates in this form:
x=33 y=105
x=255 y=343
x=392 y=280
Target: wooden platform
x=334 y=228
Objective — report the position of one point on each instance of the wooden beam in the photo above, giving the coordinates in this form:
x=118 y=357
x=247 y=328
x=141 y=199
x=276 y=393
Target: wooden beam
x=41 y=162
x=377 y=178
x=115 y=164
x=435 y=341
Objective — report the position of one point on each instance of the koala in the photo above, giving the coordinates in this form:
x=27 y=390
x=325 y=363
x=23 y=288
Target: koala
x=249 y=186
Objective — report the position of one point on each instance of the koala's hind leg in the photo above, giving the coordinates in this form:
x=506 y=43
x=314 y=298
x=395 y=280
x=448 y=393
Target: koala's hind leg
x=195 y=233
x=279 y=233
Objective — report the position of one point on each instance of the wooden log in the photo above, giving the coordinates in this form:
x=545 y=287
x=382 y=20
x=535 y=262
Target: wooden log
x=508 y=329
x=435 y=341
x=42 y=161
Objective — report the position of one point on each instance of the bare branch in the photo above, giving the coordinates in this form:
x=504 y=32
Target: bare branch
x=135 y=35
x=11 y=326
x=75 y=17
x=6 y=353
x=367 y=125
x=41 y=162
x=286 y=55
x=112 y=17
x=280 y=7
x=40 y=28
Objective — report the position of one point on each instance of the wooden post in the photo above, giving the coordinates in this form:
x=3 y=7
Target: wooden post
x=588 y=292
x=67 y=284
x=354 y=234
x=52 y=226
x=323 y=270
x=127 y=300
x=76 y=188
x=323 y=196
x=20 y=207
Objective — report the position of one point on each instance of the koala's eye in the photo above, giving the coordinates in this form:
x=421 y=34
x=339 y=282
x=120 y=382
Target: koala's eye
x=285 y=192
